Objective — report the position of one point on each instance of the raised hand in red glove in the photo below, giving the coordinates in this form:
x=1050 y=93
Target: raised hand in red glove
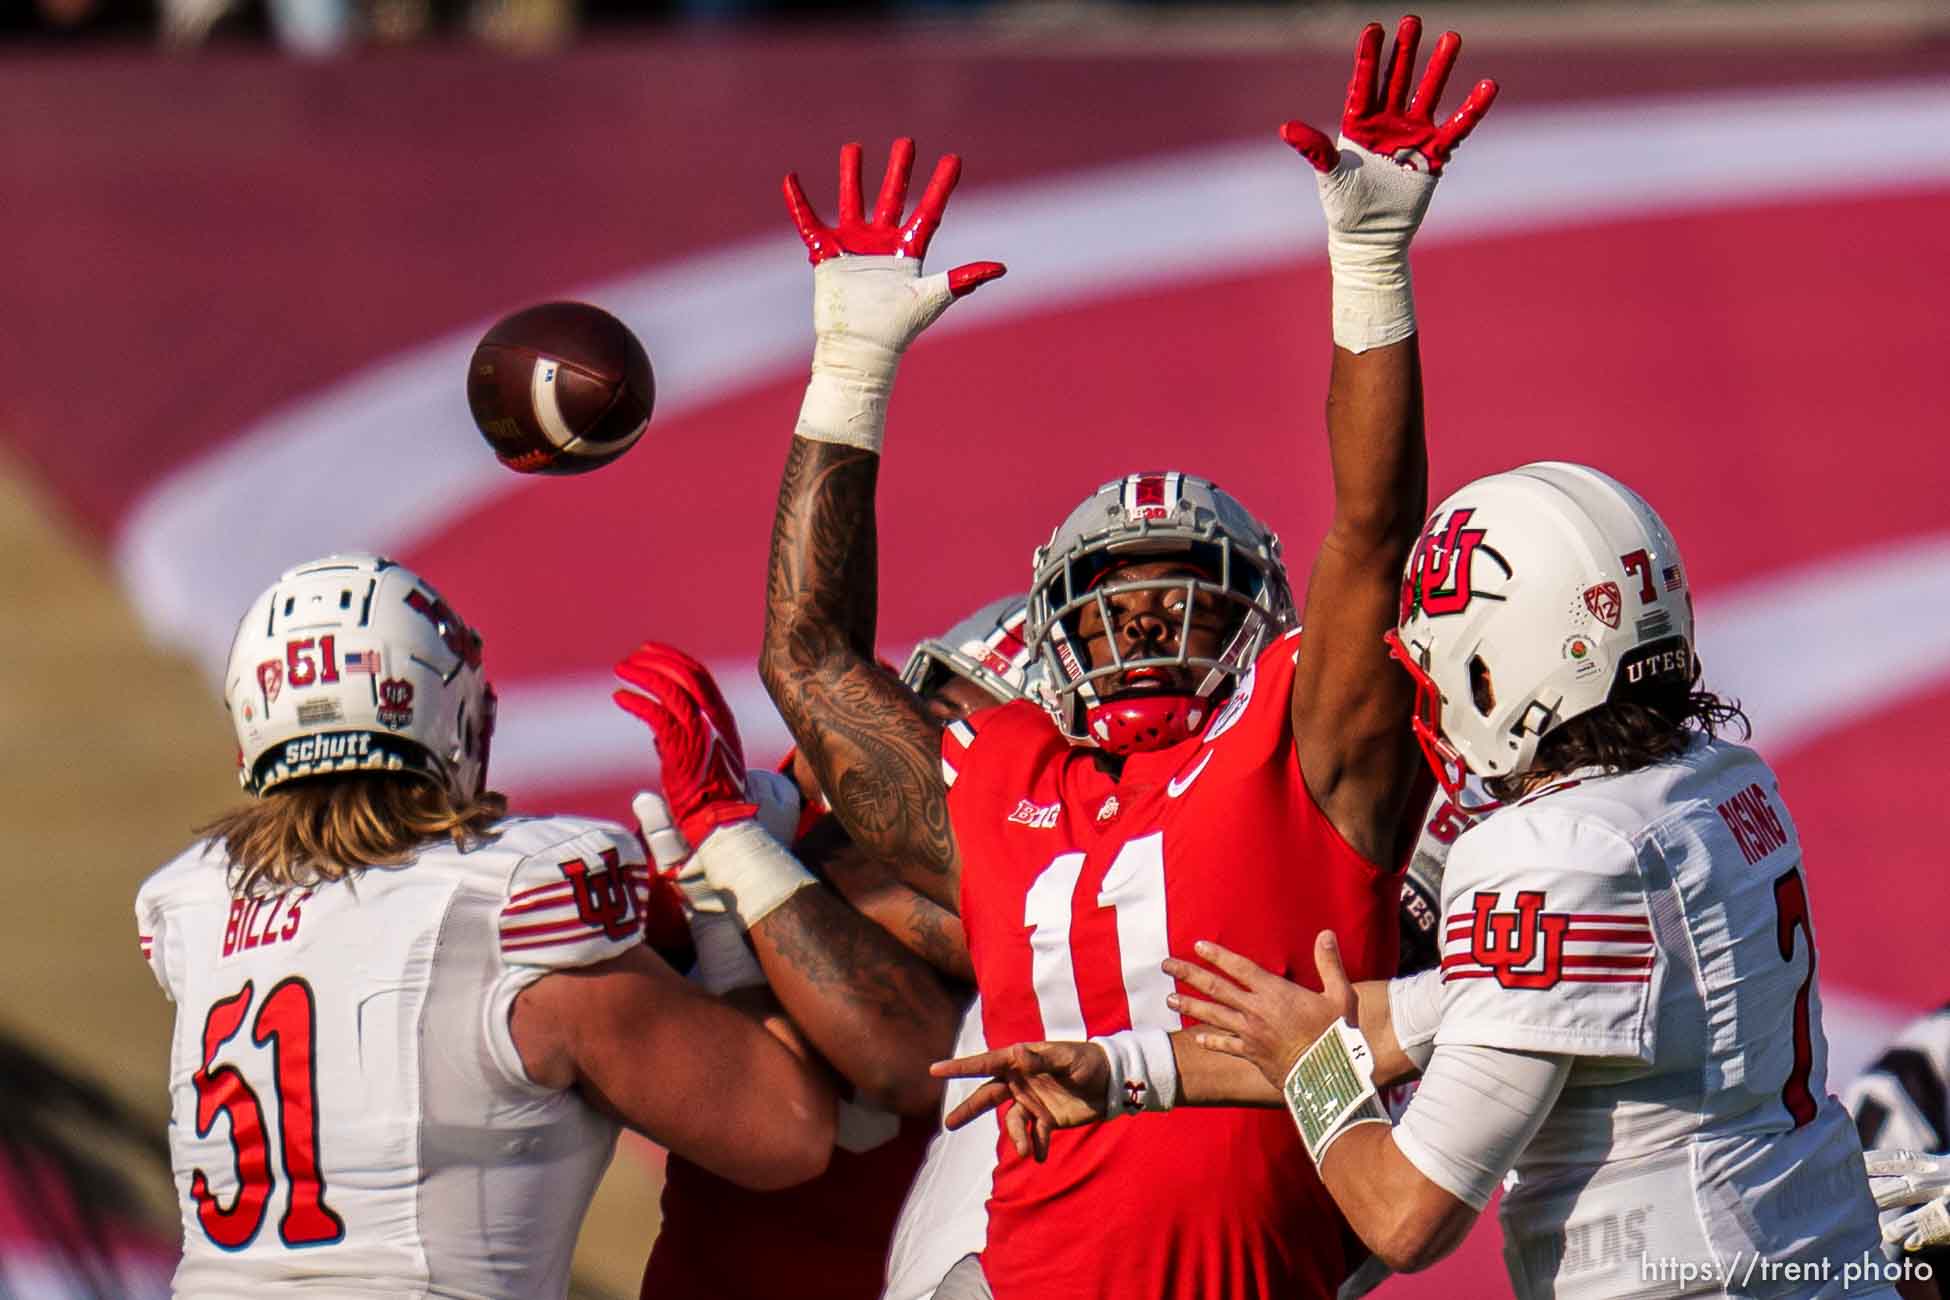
x=1375 y=185
x=870 y=299
x=1383 y=119
x=695 y=734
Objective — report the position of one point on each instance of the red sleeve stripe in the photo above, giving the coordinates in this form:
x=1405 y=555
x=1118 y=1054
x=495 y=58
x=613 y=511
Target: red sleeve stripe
x=1634 y=961
x=553 y=927
x=1569 y=977
x=565 y=899
x=1464 y=931
x=559 y=890
x=562 y=887
x=530 y=944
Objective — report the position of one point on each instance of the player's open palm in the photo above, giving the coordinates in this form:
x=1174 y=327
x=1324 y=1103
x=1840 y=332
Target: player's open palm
x=1250 y=1012
x=868 y=289
x=1377 y=179
x=1054 y=1085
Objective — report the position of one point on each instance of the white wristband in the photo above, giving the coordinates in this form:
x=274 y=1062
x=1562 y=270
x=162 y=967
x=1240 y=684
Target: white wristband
x=1330 y=1089
x=758 y=874
x=724 y=962
x=1143 y=1071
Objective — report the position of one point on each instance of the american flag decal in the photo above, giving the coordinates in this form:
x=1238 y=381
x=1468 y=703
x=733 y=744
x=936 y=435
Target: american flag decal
x=1671 y=574
x=362 y=661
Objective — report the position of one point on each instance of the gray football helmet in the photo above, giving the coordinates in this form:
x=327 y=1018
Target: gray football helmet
x=1153 y=516
x=986 y=648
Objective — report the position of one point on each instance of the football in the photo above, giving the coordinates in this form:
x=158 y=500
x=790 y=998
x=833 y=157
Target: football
x=561 y=388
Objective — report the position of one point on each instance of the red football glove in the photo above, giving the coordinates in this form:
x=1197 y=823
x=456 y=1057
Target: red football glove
x=883 y=235
x=1384 y=120
x=695 y=734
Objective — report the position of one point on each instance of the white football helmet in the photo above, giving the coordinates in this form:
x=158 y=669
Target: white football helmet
x=354 y=663
x=987 y=648
x=1153 y=516
x=1542 y=592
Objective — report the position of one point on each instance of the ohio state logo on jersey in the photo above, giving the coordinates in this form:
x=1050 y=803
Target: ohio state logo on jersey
x=603 y=899
x=1439 y=578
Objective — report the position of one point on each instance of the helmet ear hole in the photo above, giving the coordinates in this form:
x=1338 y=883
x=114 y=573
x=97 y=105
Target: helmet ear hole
x=1481 y=693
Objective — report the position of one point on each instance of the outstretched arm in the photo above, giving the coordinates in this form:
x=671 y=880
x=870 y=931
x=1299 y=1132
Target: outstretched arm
x=1350 y=712
x=874 y=1010
x=876 y=752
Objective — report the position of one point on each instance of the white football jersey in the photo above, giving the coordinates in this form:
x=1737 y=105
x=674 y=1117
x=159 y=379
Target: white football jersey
x=946 y=1213
x=348 y=1112
x=1655 y=926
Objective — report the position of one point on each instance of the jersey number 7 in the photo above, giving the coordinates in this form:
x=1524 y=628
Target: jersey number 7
x=286 y=1021
x=1790 y=914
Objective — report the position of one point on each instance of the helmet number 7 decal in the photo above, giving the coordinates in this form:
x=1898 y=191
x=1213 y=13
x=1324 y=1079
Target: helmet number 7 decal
x=1638 y=562
x=1134 y=887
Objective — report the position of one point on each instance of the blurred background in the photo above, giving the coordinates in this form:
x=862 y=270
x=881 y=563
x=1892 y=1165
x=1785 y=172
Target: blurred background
x=251 y=242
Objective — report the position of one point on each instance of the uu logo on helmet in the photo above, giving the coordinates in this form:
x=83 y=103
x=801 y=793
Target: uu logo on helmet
x=1438 y=577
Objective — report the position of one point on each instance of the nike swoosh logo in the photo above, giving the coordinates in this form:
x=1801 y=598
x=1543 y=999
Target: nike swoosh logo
x=1176 y=787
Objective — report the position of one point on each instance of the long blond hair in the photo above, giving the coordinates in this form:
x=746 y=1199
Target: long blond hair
x=327 y=828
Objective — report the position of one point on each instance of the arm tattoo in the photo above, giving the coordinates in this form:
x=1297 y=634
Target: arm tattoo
x=836 y=951
x=876 y=752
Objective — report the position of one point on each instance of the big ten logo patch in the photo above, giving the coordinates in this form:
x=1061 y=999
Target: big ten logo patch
x=1756 y=828
x=603 y=898
x=1524 y=948
x=395 y=703
x=1042 y=817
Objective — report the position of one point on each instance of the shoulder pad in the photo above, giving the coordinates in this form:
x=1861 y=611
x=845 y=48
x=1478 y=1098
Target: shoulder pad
x=575 y=898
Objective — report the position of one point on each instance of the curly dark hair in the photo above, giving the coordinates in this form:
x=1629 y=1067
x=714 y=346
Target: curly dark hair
x=1638 y=725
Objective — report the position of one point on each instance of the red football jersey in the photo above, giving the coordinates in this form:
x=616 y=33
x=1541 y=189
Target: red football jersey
x=1075 y=886
x=822 y=1240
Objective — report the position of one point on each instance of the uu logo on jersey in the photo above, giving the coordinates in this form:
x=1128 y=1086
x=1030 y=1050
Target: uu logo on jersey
x=1438 y=580
x=1524 y=949
x=603 y=899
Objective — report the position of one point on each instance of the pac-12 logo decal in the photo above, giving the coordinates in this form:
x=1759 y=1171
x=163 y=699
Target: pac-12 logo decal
x=1604 y=602
x=603 y=897
x=396 y=703
x=1524 y=949
x=1438 y=578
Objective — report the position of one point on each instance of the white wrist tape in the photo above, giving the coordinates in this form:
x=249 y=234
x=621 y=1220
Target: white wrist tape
x=1414 y=1010
x=1373 y=205
x=1143 y=1071
x=1330 y=1089
x=866 y=310
x=724 y=962
x=741 y=861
